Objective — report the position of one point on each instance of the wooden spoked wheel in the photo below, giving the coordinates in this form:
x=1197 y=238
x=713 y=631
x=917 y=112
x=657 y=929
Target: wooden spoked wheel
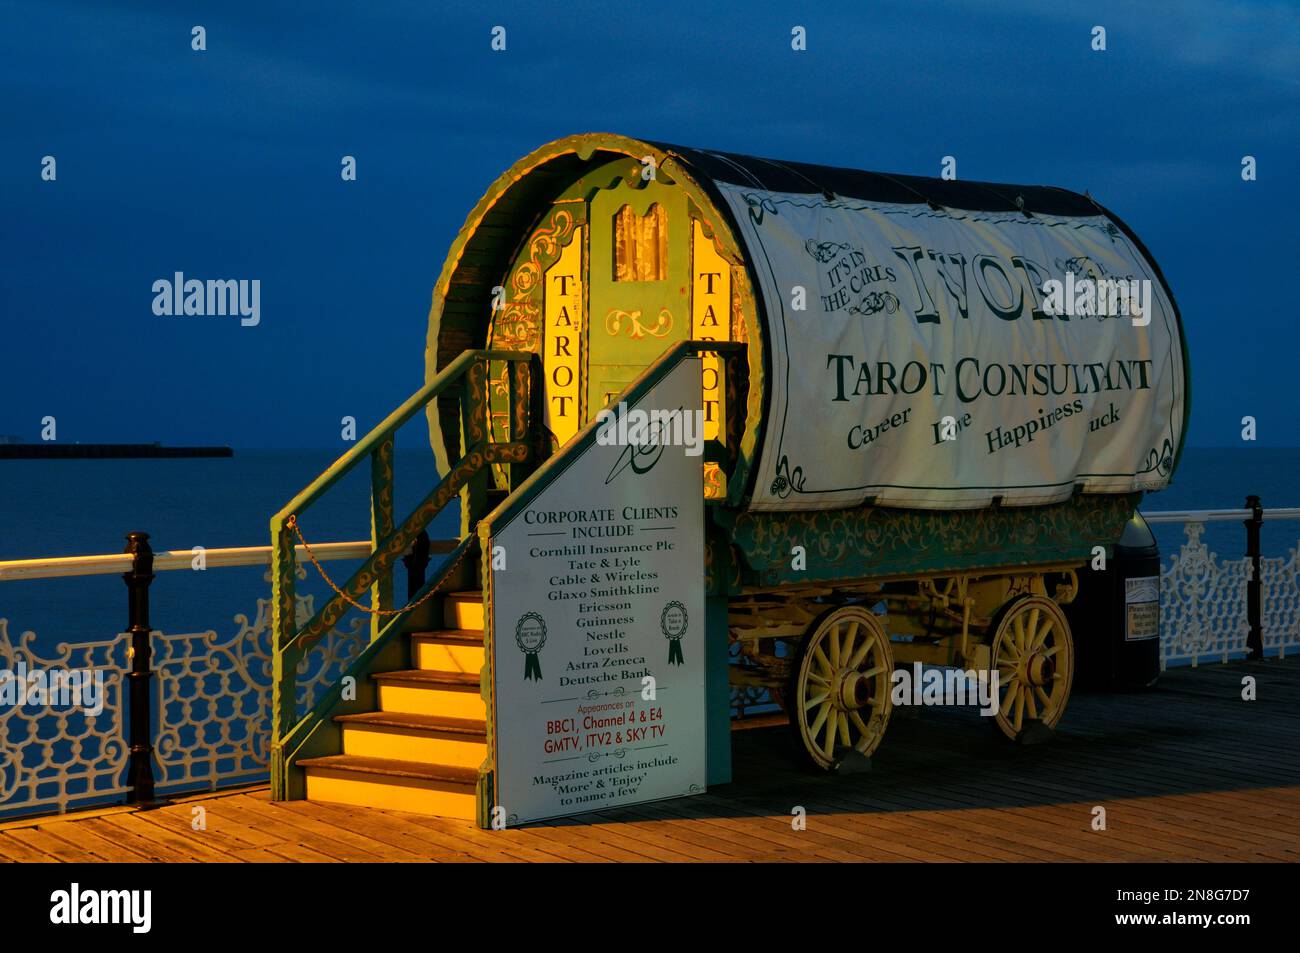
x=1033 y=655
x=840 y=696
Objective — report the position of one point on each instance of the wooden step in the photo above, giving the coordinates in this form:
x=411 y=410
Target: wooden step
x=427 y=739
x=421 y=692
x=440 y=790
x=463 y=610
x=448 y=650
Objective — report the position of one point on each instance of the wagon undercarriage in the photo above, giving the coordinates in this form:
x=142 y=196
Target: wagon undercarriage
x=826 y=654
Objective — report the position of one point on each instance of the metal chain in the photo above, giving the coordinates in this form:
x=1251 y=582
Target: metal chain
x=292 y=523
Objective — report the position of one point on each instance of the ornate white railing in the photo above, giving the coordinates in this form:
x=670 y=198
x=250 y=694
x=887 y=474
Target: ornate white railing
x=212 y=699
x=1204 y=614
x=53 y=756
x=211 y=694
x=214 y=695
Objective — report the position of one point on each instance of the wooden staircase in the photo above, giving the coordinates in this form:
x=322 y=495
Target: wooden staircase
x=420 y=752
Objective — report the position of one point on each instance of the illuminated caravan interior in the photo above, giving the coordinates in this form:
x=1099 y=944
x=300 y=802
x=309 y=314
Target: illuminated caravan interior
x=598 y=253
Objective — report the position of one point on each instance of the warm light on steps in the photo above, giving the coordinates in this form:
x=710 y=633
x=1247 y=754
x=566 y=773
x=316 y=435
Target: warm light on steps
x=421 y=738
x=393 y=785
x=421 y=751
x=463 y=610
x=417 y=692
x=452 y=650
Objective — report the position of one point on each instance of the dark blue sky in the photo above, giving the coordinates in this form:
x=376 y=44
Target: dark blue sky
x=225 y=163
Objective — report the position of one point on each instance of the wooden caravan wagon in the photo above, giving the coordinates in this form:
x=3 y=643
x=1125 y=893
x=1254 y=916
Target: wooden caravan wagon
x=925 y=405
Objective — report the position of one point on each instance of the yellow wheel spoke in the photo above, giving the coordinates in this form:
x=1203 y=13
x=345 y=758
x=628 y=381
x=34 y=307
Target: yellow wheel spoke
x=1047 y=701
x=1012 y=691
x=833 y=639
x=846 y=649
x=824 y=663
x=844 y=731
x=873 y=672
x=1033 y=706
x=862 y=729
x=816 y=700
x=815 y=728
x=1031 y=630
x=828 y=748
x=1043 y=634
x=1018 y=627
x=818 y=680
x=861 y=653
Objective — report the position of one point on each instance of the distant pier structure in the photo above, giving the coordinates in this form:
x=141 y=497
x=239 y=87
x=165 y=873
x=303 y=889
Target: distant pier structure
x=11 y=448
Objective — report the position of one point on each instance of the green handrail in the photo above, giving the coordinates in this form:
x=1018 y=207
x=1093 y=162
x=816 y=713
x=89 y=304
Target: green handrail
x=389 y=540
x=449 y=375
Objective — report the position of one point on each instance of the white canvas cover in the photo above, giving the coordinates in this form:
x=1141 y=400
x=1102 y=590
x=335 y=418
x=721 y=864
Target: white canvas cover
x=926 y=368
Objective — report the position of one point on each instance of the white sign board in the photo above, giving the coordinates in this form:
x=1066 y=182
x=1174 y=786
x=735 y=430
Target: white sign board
x=917 y=359
x=598 y=622
x=1142 y=608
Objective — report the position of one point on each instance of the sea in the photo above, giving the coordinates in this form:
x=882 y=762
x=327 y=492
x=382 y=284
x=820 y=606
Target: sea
x=84 y=507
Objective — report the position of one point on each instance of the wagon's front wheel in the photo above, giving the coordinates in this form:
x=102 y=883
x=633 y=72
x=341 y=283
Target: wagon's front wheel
x=1033 y=655
x=841 y=687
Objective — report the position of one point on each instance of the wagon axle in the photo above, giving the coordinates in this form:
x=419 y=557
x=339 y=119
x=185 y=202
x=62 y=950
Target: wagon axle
x=854 y=691
x=1040 y=670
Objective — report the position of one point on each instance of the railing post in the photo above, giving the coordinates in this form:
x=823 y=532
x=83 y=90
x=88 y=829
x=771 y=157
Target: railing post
x=416 y=562
x=1254 y=587
x=284 y=654
x=540 y=441
x=381 y=527
x=140 y=769
x=474 y=420
x=519 y=375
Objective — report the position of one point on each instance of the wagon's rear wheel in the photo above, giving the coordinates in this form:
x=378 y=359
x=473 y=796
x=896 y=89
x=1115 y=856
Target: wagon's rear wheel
x=839 y=700
x=1033 y=654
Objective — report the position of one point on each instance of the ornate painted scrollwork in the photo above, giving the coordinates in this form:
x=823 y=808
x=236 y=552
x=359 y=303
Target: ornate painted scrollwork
x=787 y=481
x=874 y=302
x=617 y=321
x=519 y=326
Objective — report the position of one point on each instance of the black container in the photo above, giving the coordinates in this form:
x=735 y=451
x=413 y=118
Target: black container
x=1115 y=619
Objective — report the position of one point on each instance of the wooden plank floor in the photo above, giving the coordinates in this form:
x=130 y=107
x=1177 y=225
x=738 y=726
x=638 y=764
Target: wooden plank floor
x=1187 y=772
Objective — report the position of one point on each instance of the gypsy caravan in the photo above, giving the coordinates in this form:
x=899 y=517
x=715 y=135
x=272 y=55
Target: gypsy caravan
x=919 y=416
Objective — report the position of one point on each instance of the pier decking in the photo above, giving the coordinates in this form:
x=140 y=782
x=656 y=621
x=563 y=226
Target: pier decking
x=1188 y=771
